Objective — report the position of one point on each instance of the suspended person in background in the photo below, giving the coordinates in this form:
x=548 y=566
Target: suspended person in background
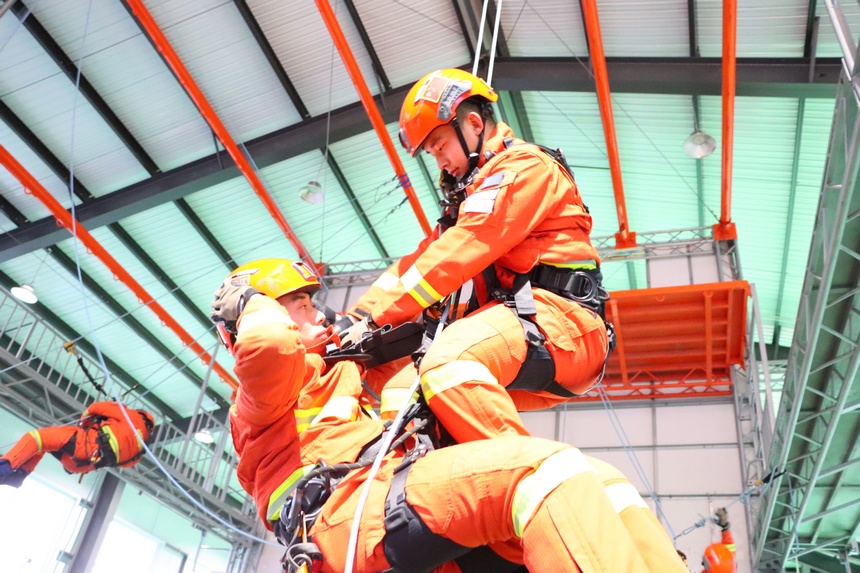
x=102 y=439
x=426 y=510
x=720 y=557
x=535 y=336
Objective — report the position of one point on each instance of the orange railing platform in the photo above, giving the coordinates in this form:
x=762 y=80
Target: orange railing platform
x=676 y=342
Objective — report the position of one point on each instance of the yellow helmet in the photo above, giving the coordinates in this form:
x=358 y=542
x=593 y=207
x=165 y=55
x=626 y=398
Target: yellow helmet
x=277 y=277
x=272 y=277
x=433 y=101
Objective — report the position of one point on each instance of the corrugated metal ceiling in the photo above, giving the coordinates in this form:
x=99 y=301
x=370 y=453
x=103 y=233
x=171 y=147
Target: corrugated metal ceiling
x=221 y=53
x=194 y=233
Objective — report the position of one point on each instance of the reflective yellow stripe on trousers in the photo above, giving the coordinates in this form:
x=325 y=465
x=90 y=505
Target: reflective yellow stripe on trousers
x=585 y=264
x=532 y=490
x=392 y=399
x=453 y=374
x=114 y=443
x=554 y=470
x=339 y=407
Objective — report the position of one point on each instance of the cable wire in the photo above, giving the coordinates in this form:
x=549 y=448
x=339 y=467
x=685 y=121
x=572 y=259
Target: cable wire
x=631 y=454
x=111 y=387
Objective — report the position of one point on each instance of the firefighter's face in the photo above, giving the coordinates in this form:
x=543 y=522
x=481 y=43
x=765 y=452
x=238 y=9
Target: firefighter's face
x=444 y=145
x=309 y=320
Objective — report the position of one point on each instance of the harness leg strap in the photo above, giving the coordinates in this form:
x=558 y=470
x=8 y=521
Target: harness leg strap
x=409 y=545
x=538 y=371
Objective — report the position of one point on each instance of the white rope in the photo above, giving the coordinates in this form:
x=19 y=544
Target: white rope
x=365 y=490
x=386 y=443
x=493 y=45
x=480 y=38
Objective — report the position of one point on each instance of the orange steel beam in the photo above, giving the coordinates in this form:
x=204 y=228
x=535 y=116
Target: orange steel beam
x=160 y=40
x=725 y=229
x=372 y=111
x=64 y=219
x=624 y=238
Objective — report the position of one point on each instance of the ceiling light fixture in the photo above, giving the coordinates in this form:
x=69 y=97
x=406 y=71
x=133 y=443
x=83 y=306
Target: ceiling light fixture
x=204 y=436
x=312 y=192
x=24 y=293
x=699 y=144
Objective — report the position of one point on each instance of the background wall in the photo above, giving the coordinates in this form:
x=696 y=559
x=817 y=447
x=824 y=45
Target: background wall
x=687 y=454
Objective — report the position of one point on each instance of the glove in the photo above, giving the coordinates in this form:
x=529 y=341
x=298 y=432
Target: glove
x=11 y=477
x=5 y=469
x=230 y=301
x=722 y=518
x=354 y=333
x=343 y=323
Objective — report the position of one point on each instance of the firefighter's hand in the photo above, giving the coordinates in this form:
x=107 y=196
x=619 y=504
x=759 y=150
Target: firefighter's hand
x=722 y=518
x=353 y=334
x=344 y=322
x=230 y=301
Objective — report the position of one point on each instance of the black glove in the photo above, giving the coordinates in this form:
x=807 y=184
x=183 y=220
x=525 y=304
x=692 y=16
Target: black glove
x=722 y=518
x=11 y=477
x=5 y=469
x=230 y=301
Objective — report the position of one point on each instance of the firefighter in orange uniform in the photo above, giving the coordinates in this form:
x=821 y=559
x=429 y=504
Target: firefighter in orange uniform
x=102 y=438
x=536 y=337
x=720 y=557
x=559 y=509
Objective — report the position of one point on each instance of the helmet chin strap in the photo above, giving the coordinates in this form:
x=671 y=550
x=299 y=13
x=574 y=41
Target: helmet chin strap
x=473 y=156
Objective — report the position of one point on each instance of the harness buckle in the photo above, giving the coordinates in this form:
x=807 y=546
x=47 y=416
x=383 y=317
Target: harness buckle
x=302 y=558
x=534 y=337
x=503 y=297
x=611 y=339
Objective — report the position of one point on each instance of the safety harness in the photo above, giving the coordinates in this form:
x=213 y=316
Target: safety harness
x=411 y=547
x=107 y=447
x=313 y=489
x=581 y=285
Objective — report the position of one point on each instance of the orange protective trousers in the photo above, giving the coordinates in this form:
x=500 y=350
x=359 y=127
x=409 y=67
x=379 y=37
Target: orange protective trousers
x=29 y=450
x=473 y=495
x=473 y=403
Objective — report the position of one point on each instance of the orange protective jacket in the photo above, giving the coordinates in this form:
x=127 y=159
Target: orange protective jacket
x=728 y=540
x=104 y=438
x=521 y=210
x=277 y=380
